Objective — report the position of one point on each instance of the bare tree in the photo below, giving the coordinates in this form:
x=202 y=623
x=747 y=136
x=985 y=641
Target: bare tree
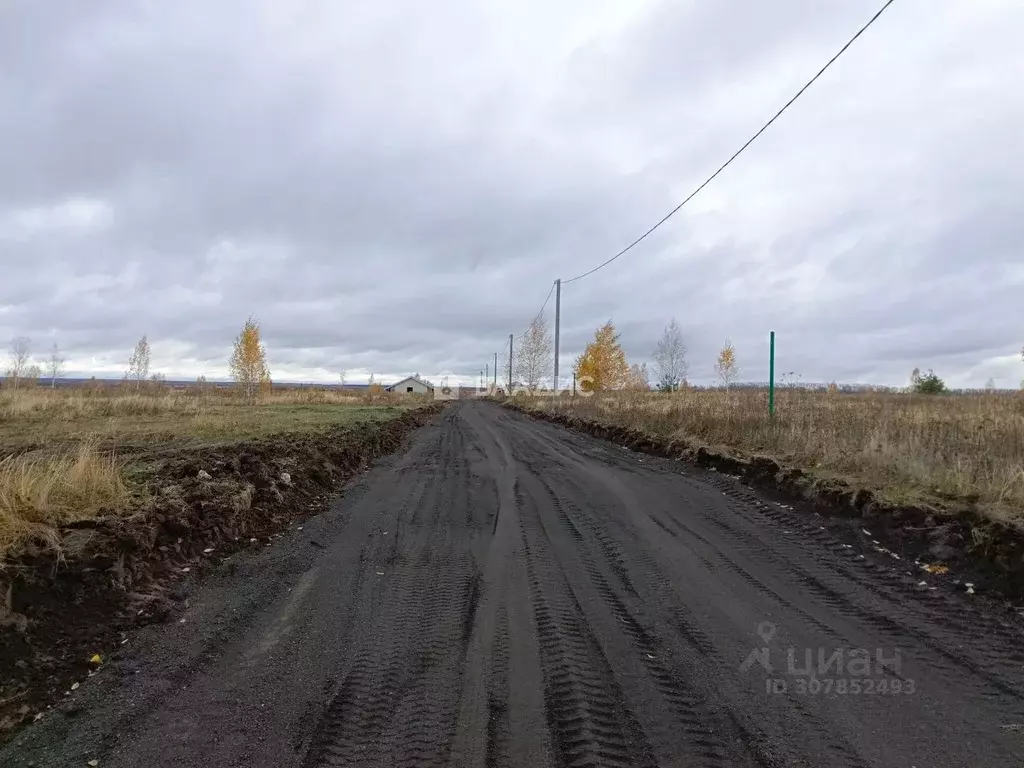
x=639 y=378
x=342 y=378
x=670 y=358
x=32 y=375
x=21 y=352
x=534 y=361
x=55 y=365
x=138 y=363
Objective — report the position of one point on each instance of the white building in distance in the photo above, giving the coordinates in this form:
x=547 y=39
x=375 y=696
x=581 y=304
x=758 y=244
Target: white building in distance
x=411 y=385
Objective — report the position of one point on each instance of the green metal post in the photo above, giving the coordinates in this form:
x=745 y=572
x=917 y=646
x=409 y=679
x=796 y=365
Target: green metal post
x=771 y=374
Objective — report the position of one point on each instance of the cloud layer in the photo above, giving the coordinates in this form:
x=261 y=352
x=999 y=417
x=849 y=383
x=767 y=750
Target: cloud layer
x=394 y=189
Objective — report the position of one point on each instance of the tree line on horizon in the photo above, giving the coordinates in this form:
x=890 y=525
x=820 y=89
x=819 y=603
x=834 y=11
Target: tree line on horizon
x=247 y=364
x=603 y=365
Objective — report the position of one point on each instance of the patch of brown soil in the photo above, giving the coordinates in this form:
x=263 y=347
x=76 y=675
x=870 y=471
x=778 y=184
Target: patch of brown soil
x=987 y=553
x=114 y=573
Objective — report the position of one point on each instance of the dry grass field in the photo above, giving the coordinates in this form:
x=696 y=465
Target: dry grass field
x=911 y=448
x=68 y=455
x=46 y=419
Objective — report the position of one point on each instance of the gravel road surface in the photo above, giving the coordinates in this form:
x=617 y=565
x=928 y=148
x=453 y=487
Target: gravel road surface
x=509 y=593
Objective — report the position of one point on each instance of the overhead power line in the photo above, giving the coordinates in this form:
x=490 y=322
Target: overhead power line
x=542 y=306
x=738 y=152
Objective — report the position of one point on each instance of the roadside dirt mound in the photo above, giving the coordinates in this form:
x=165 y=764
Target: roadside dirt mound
x=987 y=554
x=114 y=574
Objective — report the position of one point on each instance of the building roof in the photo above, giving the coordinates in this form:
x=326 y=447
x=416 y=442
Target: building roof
x=417 y=379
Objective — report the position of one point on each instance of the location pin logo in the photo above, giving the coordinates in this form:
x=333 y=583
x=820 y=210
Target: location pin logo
x=766 y=630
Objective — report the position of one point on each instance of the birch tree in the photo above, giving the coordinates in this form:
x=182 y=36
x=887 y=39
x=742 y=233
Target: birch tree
x=726 y=367
x=670 y=358
x=138 y=363
x=915 y=379
x=534 y=360
x=249 y=361
x=21 y=352
x=55 y=365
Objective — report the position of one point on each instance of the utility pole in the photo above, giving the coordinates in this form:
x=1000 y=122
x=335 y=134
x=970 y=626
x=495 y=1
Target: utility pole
x=481 y=379
x=771 y=373
x=487 y=372
x=558 y=321
x=495 y=371
x=510 y=365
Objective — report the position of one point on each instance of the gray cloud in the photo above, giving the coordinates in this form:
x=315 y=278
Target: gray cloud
x=394 y=188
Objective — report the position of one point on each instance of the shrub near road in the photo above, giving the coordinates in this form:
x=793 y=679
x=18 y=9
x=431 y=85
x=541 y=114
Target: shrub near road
x=106 y=496
x=949 y=450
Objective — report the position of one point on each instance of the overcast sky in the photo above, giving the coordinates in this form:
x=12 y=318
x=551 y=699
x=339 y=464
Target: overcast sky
x=393 y=187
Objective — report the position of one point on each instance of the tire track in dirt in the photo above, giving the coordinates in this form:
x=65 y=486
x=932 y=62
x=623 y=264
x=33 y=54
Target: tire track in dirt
x=689 y=709
x=841 y=751
x=397 y=705
x=498 y=729
x=943 y=650
x=700 y=718
x=819 y=545
x=589 y=722
x=400 y=693
x=963 y=625
x=688 y=727
x=960 y=627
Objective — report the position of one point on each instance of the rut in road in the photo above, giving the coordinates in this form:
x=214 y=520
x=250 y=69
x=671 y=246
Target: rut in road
x=509 y=593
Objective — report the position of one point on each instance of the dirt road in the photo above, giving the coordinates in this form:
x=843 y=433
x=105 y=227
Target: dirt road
x=508 y=593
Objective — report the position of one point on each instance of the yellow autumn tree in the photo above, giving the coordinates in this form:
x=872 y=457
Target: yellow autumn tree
x=249 y=361
x=726 y=368
x=603 y=363
x=374 y=390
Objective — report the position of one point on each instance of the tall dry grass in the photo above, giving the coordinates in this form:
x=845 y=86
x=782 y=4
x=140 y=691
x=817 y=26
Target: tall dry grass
x=77 y=404
x=59 y=443
x=959 y=446
x=70 y=404
x=33 y=418
x=38 y=494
